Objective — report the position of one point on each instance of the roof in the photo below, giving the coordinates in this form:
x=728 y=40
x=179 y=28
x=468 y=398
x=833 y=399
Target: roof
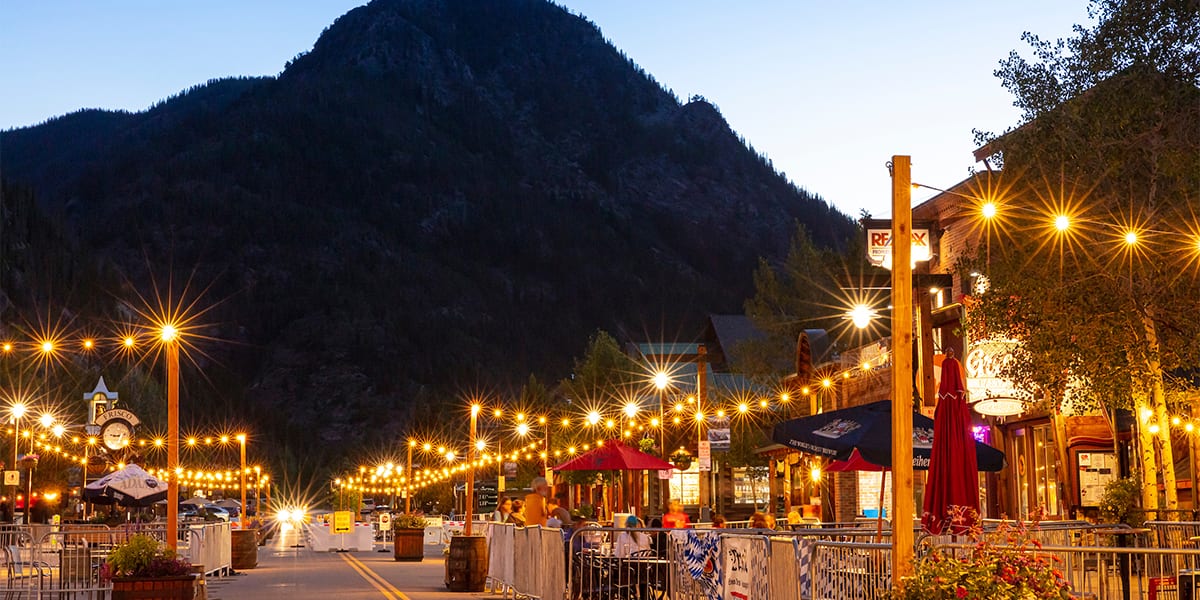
x=733 y=329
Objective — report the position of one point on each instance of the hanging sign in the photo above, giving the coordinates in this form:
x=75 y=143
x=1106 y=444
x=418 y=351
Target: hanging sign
x=879 y=243
x=704 y=456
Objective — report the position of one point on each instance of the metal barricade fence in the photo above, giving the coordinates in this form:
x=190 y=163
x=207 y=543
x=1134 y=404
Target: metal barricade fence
x=1100 y=572
x=529 y=562
x=851 y=571
x=209 y=545
x=1175 y=534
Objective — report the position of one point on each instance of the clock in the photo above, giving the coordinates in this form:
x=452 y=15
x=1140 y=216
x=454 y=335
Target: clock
x=116 y=434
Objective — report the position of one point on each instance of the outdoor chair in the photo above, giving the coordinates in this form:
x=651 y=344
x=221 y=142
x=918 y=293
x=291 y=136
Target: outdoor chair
x=21 y=568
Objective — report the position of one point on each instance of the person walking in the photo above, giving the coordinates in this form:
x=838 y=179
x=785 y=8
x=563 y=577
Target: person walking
x=675 y=517
x=536 y=512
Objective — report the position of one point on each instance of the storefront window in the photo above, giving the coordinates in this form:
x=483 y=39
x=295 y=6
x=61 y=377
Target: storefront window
x=1046 y=470
x=685 y=485
x=750 y=485
x=868 y=493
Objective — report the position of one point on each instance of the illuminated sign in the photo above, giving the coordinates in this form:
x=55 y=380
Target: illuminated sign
x=985 y=363
x=879 y=246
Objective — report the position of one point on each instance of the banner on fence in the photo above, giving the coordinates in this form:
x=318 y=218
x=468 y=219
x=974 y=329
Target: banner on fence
x=736 y=563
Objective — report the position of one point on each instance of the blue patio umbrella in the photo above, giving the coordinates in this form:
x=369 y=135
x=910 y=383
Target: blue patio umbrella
x=868 y=429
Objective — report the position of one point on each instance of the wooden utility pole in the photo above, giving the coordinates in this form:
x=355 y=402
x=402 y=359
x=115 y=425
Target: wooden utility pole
x=902 y=383
x=701 y=432
x=172 y=353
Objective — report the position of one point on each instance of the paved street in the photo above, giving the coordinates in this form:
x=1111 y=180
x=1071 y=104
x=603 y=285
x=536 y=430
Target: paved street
x=301 y=574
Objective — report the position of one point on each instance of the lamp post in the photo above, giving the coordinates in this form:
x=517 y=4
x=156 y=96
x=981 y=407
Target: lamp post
x=408 y=478
x=661 y=381
x=169 y=335
x=17 y=410
x=241 y=438
x=471 y=472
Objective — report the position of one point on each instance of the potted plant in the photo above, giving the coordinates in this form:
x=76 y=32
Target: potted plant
x=408 y=538
x=1119 y=502
x=140 y=568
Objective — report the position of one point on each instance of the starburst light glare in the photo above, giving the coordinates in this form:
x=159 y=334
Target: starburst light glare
x=631 y=409
x=861 y=315
x=661 y=380
x=1062 y=222
x=593 y=418
x=169 y=333
x=989 y=210
x=1131 y=238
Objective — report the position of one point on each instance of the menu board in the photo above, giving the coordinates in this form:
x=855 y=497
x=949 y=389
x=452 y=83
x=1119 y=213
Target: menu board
x=1096 y=469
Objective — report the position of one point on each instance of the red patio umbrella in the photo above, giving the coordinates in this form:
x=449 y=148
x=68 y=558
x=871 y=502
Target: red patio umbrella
x=614 y=456
x=953 y=472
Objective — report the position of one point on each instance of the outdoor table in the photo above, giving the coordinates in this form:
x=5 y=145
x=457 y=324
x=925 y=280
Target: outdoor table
x=1122 y=535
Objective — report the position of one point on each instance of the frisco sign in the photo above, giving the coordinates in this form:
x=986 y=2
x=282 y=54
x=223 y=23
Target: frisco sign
x=879 y=244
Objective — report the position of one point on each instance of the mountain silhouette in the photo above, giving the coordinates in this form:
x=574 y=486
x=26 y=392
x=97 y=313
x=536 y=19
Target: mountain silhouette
x=441 y=196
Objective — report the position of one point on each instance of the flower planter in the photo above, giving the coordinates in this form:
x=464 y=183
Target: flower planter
x=408 y=545
x=154 y=588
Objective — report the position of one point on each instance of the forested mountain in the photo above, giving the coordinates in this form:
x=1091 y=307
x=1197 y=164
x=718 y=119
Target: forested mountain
x=443 y=195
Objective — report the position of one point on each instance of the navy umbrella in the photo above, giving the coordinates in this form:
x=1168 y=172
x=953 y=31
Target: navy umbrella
x=131 y=486
x=868 y=429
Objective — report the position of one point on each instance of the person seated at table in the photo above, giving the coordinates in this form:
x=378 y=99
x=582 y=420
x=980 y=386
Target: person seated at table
x=718 y=521
x=758 y=521
x=629 y=542
x=556 y=513
x=675 y=517
x=794 y=517
x=517 y=516
x=503 y=509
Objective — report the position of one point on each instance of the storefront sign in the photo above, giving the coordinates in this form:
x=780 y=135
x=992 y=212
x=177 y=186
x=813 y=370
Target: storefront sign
x=985 y=361
x=879 y=246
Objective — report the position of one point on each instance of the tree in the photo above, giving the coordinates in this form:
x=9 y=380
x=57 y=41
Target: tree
x=788 y=298
x=1100 y=281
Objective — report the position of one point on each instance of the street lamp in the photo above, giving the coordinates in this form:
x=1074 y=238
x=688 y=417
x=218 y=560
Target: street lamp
x=471 y=472
x=17 y=410
x=241 y=438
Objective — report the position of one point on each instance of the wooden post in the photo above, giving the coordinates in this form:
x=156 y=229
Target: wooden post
x=701 y=433
x=172 y=354
x=241 y=438
x=902 y=384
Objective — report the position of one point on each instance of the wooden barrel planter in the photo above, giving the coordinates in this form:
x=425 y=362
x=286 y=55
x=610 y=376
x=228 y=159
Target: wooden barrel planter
x=467 y=564
x=154 y=588
x=244 y=551
x=408 y=545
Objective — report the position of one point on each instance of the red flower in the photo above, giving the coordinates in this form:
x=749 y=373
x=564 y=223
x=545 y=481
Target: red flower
x=960 y=592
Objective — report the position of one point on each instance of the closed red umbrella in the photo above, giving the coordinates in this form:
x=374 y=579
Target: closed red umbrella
x=953 y=472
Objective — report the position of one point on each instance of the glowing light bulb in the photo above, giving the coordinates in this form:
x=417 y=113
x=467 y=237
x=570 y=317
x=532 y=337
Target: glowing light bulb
x=1131 y=238
x=861 y=315
x=989 y=210
x=1062 y=223
x=661 y=380
x=169 y=333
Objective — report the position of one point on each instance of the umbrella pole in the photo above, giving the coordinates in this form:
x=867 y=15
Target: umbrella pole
x=879 y=523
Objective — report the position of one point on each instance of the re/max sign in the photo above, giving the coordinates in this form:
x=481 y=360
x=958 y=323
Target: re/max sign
x=879 y=246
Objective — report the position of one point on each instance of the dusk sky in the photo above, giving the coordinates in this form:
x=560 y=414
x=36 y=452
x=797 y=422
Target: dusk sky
x=828 y=90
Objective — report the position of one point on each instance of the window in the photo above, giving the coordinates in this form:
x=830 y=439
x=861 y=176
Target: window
x=750 y=485
x=685 y=485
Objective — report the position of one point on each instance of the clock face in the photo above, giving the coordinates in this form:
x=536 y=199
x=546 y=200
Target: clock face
x=116 y=435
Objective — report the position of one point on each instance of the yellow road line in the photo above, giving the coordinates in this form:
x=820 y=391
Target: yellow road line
x=381 y=584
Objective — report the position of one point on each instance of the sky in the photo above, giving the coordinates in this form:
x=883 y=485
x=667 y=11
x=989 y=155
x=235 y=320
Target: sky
x=829 y=91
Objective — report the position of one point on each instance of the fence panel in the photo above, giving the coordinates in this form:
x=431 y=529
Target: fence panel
x=851 y=571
